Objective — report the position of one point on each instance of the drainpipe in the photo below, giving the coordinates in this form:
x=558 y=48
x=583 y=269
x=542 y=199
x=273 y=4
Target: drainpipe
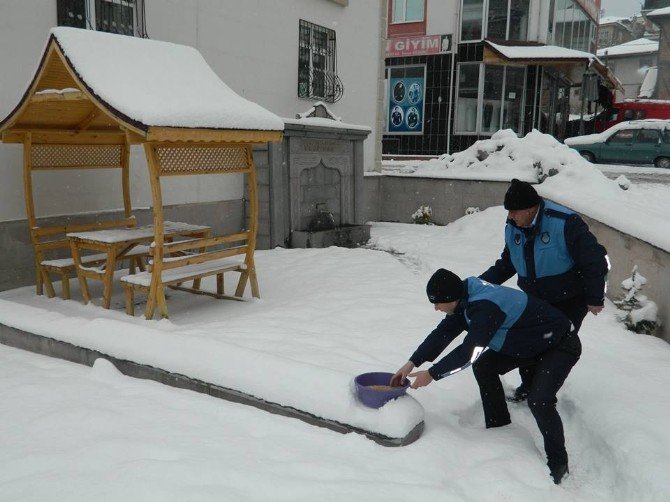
x=381 y=108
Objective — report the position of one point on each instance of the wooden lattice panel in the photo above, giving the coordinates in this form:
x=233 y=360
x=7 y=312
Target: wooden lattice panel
x=195 y=159
x=76 y=156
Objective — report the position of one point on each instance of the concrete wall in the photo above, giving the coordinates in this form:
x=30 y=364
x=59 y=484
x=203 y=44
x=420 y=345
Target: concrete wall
x=395 y=198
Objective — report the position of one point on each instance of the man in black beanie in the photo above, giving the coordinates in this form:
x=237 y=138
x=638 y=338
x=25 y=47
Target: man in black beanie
x=554 y=255
x=506 y=329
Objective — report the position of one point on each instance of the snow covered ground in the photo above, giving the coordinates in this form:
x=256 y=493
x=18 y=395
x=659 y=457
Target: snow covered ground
x=74 y=433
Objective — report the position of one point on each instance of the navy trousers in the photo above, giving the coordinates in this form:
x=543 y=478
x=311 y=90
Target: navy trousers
x=574 y=309
x=551 y=368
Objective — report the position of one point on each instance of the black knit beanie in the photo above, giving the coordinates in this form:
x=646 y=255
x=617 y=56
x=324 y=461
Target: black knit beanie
x=521 y=195
x=444 y=287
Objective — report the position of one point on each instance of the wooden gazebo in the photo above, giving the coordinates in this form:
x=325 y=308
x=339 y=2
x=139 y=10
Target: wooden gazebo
x=96 y=94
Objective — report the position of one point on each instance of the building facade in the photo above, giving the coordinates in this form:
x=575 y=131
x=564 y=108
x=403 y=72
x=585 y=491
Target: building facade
x=460 y=70
x=284 y=56
x=631 y=62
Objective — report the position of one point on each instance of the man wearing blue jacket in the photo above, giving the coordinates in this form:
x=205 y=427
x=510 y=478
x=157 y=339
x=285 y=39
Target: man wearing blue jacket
x=554 y=255
x=506 y=329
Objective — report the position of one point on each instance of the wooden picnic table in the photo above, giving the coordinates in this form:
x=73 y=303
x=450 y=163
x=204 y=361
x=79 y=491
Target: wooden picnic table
x=116 y=244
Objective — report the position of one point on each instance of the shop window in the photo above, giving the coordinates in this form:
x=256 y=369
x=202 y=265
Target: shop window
x=518 y=19
x=317 y=63
x=494 y=77
x=490 y=98
x=497 y=19
x=515 y=83
x=125 y=17
x=467 y=103
x=408 y=11
x=574 y=29
x=472 y=15
x=505 y=19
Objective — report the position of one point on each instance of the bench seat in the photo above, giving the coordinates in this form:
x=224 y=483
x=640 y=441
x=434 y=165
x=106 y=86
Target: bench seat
x=64 y=263
x=182 y=274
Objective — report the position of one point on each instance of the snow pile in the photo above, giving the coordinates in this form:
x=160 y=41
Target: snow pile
x=503 y=157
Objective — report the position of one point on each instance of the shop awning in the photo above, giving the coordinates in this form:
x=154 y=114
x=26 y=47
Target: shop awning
x=570 y=62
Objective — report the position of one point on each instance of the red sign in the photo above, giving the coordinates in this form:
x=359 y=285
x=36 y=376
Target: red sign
x=417 y=46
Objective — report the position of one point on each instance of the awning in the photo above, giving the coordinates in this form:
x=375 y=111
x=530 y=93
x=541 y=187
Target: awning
x=570 y=62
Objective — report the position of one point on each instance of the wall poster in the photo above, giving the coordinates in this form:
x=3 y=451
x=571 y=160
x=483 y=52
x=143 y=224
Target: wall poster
x=406 y=99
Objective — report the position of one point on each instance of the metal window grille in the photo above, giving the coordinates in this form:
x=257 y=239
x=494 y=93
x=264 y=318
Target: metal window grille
x=317 y=63
x=125 y=17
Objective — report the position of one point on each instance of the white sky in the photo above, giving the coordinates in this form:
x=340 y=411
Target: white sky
x=621 y=7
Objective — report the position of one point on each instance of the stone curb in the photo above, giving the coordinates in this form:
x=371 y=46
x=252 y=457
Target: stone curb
x=63 y=350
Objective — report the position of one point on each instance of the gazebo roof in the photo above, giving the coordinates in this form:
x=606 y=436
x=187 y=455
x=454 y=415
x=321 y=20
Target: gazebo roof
x=155 y=91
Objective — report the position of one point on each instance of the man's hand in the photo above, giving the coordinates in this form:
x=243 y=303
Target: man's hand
x=421 y=379
x=595 y=310
x=401 y=375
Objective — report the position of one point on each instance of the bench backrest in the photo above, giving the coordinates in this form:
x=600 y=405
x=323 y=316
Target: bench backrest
x=51 y=239
x=191 y=251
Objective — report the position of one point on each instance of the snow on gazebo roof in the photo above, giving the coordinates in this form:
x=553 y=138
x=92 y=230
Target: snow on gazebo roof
x=90 y=83
x=158 y=83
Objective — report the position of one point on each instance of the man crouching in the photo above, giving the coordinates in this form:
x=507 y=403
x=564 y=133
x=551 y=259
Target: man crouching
x=506 y=329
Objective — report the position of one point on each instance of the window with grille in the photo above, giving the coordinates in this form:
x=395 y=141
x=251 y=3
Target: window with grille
x=317 y=63
x=125 y=17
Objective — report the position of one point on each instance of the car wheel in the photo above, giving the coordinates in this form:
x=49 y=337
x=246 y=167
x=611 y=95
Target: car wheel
x=663 y=162
x=588 y=156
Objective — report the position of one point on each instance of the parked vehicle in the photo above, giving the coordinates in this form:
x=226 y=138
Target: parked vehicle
x=632 y=109
x=635 y=141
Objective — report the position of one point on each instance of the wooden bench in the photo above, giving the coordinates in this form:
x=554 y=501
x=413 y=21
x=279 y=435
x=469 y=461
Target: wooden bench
x=49 y=240
x=192 y=259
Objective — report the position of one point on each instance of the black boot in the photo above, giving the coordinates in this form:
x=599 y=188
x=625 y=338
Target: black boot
x=520 y=394
x=559 y=473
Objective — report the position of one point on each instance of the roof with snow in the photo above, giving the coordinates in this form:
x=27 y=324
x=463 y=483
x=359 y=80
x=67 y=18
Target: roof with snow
x=540 y=52
x=665 y=11
x=535 y=53
x=153 y=89
x=612 y=19
x=638 y=46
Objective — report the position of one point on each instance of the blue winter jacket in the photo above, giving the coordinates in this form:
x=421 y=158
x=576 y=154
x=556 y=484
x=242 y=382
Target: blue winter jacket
x=556 y=259
x=496 y=318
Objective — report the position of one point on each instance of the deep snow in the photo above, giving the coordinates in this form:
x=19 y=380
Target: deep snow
x=74 y=433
